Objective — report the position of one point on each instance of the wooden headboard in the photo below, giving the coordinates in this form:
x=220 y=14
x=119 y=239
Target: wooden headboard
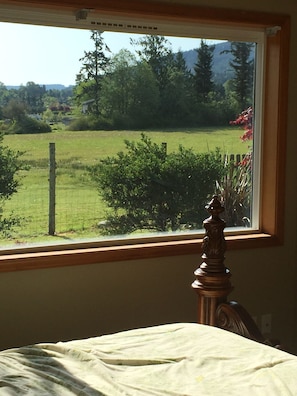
x=213 y=283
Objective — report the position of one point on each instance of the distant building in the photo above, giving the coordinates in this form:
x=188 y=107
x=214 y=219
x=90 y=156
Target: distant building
x=87 y=105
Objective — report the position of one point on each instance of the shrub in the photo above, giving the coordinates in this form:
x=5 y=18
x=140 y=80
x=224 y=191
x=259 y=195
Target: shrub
x=90 y=123
x=79 y=124
x=235 y=190
x=148 y=189
x=10 y=165
x=28 y=125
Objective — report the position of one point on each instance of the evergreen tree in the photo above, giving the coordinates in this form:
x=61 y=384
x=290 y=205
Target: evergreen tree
x=203 y=71
x=178 y=95
x=89 y=79
x=180 y=63
x=243 y=65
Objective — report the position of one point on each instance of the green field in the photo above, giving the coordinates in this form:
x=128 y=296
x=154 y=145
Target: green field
x=78 y=205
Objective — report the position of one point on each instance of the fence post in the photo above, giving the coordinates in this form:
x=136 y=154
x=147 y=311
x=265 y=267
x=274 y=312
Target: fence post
x=52 y=190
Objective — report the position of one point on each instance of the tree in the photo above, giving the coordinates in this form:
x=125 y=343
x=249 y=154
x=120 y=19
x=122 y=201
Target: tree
x=130 y=96
x=148 y=189
x=89 y=79
x=176 y=107
x=21 y=122
x=243 y=65
x=156 y=51
x=173 y=80
x=203 y=71
x=178 y=104
x=15 y=110
x=116 y=87
x=32 y=95
x=180 y=64
x=145 y=97
x=4 y=95
x=10 y=166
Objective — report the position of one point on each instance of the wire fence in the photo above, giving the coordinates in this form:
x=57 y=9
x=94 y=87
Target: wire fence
x=78 y=208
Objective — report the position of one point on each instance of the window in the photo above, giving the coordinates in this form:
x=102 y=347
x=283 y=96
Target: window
x=270 y=33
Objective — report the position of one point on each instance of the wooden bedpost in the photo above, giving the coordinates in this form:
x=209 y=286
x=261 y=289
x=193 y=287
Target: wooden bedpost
x=212 y=282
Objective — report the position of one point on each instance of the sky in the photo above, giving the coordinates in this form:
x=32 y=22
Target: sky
x=50 y=55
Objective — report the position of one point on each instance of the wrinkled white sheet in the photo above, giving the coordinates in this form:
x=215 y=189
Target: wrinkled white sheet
x=175 y=359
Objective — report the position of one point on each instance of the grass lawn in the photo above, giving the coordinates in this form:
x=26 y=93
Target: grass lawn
x=88 y=146
x=78 y=204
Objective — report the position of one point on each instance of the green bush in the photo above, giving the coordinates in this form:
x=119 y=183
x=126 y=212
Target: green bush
x=4 y=126
x=10 y=166
x=79 y=124
x=148 y=189
x=90 y=123
x=29 y=125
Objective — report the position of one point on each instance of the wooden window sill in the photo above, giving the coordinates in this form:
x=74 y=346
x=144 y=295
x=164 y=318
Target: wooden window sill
x=95 y=255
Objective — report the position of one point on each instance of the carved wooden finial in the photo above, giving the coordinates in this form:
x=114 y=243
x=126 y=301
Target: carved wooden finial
x=212 y=282
x=214 y=245
x=214 y=207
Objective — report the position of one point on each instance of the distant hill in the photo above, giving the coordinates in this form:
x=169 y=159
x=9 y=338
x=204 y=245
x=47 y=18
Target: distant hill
x=59 y=87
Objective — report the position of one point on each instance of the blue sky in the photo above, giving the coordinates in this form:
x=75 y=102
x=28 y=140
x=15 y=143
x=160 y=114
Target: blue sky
x=47 y=55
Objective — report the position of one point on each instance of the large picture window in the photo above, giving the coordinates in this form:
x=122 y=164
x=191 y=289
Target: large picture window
x=122 y=146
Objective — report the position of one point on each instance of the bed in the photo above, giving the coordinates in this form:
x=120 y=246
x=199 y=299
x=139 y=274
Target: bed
x=223 y=354
x=174 y=359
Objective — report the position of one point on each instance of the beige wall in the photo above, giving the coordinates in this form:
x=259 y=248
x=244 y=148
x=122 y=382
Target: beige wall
x=65 y=303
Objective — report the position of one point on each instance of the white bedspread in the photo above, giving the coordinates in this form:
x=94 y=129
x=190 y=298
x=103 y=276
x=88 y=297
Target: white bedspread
x=175 y=359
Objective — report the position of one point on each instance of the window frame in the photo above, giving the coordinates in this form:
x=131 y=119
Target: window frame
x=272 y=199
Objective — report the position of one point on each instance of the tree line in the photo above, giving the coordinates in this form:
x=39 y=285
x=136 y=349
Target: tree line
x=147 y=88
x=153 y=87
